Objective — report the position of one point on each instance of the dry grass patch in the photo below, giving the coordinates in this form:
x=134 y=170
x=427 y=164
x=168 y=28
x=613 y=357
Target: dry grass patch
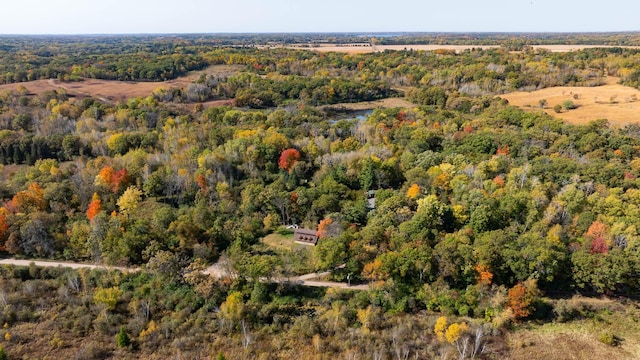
x=369 y=105
x=612 y=331
x=617 y=103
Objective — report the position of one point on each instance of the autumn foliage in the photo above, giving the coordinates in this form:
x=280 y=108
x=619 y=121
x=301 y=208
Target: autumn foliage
x=372 y=271
x=484 y=274
x=597 y=229
x=29 y=200
x=94 y=207
x=3 y=228
x=202 y=183
x=599 y=246
x=504 y=150
x=112 y=179
x=521 y=298
x=288 y=158
x=323 y=227
x=413 y=191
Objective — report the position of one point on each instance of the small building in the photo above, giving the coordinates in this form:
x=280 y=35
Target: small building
x=305 y=236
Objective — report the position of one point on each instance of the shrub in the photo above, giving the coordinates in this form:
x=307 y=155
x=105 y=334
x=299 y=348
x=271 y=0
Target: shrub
x=608 y=339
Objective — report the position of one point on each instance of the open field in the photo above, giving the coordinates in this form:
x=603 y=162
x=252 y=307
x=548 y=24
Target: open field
x=617 y=103
x=362 y=48
x=581 y=338
x=112 y=91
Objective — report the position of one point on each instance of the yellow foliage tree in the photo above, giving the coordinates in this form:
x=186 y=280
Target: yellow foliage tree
x=454 y=331
x=440 y=327
x=151 y=328
x=233 y=307
x=108 y=297
x=129 y=200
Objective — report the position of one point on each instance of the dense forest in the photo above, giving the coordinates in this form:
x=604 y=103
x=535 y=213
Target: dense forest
x=486 y=216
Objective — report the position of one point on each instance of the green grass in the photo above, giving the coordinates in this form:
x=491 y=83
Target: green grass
x=282 y=239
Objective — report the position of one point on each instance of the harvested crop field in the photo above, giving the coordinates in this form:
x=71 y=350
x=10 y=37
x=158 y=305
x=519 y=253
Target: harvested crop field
x=111 y=90
x=617 y=103
x=362 y=48
x=366 y=48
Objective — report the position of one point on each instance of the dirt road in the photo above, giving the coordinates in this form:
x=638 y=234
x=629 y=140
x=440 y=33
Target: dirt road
x=71 y=265
x=215 y=270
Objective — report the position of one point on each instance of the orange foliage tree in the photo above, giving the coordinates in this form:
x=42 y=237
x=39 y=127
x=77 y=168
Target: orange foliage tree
x=29 y=200
x=484 y=274
x=413 y=191
x=202 y=183
x=521 y=298
x=95 y=206
x=323 y=227
x=373 y=271
x=504 y=150
x=597 y=230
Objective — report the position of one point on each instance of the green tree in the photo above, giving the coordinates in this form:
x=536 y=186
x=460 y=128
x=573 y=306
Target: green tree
x=122 y=339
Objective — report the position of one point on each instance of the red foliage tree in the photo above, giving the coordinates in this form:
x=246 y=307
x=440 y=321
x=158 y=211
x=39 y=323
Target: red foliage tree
x=120 y=180
x=3 y=228
x=599 y=246
x=288 y=158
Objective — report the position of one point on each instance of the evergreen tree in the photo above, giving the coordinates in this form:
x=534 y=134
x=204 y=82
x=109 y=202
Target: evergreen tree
x=122 y=338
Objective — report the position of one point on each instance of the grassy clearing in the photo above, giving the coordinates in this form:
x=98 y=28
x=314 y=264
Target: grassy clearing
x=617 y=103
x=281 y=239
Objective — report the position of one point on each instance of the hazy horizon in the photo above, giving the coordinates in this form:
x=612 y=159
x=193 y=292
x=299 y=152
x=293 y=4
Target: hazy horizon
x=146 y=17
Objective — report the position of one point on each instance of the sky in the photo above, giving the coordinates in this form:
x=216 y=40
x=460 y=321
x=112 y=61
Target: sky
x=254 y=16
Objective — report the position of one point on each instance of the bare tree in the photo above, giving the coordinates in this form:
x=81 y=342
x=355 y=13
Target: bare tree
x=246 y=336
